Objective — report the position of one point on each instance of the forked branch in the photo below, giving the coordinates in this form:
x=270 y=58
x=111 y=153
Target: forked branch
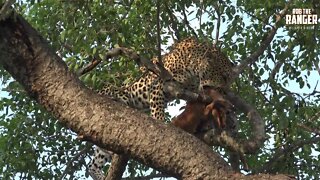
x=264 y=44
x=257 y=137
x=281 y=152
x=173 y=21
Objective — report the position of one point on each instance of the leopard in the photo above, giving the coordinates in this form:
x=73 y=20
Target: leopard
x=193 y=66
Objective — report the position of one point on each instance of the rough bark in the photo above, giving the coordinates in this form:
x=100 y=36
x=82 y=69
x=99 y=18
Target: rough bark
x=117 y=168
x=257 y=138
x=28 y=58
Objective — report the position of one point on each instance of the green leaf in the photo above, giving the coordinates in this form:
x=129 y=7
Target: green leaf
x=94 y=50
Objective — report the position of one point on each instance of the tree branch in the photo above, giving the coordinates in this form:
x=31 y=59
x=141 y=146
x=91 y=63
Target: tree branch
x=27 y=57
x=5 y=10
x=186 y=22
x=95 y=61
x=158 y=33
x=281 y=152
x=148 y=177
x=171 y=88
x=141 y=61
x=257 y=137
x=173 y=20
x=216 y=7
x=225 y=140
x=118 y=166
x=310 y=129
x=264 y=44
x=106 y=123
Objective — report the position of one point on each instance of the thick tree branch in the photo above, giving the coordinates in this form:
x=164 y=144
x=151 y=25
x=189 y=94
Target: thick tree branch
x=225 y=140
x=264 y=44
x=28 y=58
x=233 y=144
x=257 y=137
x=118 y=166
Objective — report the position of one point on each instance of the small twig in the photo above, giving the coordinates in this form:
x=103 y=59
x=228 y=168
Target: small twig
x=122 y=51
x=67 y=46
x=186 y=22
x=315 y=117
x=173 y=20
x=148 y=177
x=264 y=21
x=309 y=129
x=278 y=64
x=262 y=93
x=5 y=10
x=281 y=152
x=216 y=7
x=89 y=66
x=275 y=70
x=173 y=89
x=158 y=33
x=201 y=13
x=313 y=92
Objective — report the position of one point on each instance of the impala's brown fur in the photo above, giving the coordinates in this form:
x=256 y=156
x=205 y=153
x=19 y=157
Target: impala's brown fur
x=198 y=116
x=190 y=64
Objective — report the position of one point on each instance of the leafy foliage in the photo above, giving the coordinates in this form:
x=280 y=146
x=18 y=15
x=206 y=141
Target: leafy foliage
x=281 y=84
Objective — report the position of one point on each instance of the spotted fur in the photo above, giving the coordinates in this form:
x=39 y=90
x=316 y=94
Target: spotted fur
x=193 y=65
